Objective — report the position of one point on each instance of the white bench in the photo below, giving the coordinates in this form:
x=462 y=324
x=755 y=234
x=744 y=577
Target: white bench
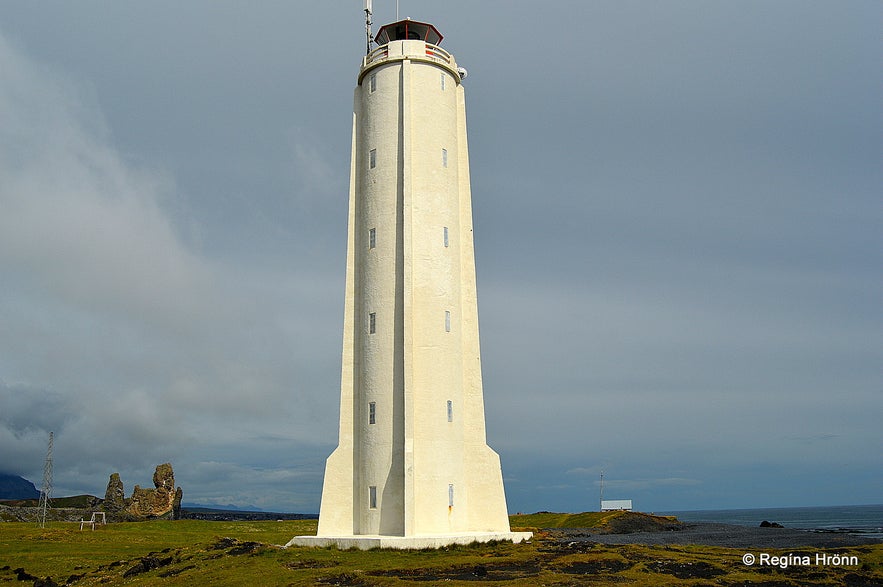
x=94 y=520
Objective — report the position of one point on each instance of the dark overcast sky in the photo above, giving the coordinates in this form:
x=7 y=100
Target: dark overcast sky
x=678 y=242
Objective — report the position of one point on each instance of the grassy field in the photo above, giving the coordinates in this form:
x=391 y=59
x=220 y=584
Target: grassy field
x=189 y=552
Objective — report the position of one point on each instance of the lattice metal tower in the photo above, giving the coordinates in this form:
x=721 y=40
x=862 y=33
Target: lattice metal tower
x=46 y=490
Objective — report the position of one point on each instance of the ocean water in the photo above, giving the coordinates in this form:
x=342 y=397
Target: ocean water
x=863 y=520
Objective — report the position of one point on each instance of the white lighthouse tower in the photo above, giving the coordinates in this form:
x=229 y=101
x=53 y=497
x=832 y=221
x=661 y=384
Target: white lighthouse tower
x=412 y=468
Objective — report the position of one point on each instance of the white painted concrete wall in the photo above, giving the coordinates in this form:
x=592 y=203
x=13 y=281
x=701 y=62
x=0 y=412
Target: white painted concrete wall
x=608 y=505
x=413 y=364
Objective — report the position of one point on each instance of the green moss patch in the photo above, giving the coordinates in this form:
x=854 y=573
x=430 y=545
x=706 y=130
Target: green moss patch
x=190 y=552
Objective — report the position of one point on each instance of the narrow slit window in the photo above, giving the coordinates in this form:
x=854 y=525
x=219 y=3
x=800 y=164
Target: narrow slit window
x=372 y=238
x=372 y=158
x=446 y=236
x=372 y=323
x=444 y=157
x=372 y=84
x=450 y=411
x=443 y=81
x=447 y=320
x=372 y=497
x=451 y=495
x=372 y=412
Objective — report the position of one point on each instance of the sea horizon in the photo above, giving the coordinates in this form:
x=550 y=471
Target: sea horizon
x=666 y=512
x=865 y=520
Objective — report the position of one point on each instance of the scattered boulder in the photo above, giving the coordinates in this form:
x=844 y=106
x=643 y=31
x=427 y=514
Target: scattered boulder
x=235 y=546
x=147 y=563
x=766 y=524
x=23 y=575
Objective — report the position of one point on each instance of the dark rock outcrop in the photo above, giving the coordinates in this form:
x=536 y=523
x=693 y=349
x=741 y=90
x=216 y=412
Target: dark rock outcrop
x=115 y=496
x=163 y=501
x=631 y=522
x=767 y=524
x=146 y=564
x=176 y=504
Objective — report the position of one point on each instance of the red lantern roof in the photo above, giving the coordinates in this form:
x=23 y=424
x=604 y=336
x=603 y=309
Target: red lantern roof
x=408 y=29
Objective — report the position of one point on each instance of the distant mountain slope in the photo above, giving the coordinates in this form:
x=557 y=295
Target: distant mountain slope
x=221 y=507
x=15 y=487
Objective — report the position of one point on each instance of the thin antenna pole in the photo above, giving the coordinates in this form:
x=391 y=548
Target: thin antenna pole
x=46 y=491
x=368 y=13
x=397 y=10
x=601 y=494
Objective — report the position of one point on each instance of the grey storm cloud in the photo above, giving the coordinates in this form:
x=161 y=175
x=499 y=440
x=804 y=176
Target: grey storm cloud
x=676 y=224
x=31 y=411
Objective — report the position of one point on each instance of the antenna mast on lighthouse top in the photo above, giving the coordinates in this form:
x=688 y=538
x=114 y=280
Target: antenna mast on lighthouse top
x=368 y=13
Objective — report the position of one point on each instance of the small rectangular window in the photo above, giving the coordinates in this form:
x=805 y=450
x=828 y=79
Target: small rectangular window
x=372 y=497
x=451 y=495
x=447 y=321
x=372 y=158
x=372 y=323
x=372 y=412
x=444 y=157
x=446 y=236
x=450 y=411
x=372 y=238
x=443 y=76
x=373 y=83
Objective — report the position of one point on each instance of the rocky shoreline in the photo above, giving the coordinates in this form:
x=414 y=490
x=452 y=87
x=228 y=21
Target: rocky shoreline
x=722 y=535
x=239 y=516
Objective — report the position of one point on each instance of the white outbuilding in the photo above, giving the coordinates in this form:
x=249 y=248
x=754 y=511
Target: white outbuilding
x=612 y=505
